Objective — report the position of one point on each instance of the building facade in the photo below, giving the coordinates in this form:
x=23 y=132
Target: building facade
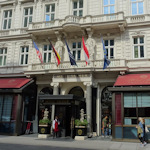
x=124 y=26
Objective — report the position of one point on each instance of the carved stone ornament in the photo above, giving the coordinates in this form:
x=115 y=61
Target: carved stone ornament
x=91 y=46
x=59 y=47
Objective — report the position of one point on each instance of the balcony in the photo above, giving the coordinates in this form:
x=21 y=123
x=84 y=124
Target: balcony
x=97 y=65
x=138 y=19
x=101 y=20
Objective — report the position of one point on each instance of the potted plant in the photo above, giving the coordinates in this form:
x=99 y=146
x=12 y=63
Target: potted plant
x=45 y=124
x=81 y=125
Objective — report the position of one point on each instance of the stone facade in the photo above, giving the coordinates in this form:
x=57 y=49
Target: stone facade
x=121 y=26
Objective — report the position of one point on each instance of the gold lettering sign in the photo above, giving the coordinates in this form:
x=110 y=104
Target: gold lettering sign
x=79 y=132
x=42 y=130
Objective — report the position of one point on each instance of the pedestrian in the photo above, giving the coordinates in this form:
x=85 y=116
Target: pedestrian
x=55 y=127
x=105 y=126
x=144 y=132
x=141 y=131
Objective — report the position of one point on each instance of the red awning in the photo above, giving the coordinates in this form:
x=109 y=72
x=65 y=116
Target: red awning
x=14 y=83
x=133 y=79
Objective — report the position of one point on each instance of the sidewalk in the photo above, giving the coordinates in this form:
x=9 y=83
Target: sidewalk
x=90 y=144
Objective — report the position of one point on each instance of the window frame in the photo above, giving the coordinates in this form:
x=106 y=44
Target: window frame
x=47 y=52
x=137 y=7
x=4 y=55
x=24 y=54
x=109 y=47
x=138 y=45
x=28 y=16
x=78 y=9
x=76 y=50
x=8 y=18
x=109 y=5
x=50 y=13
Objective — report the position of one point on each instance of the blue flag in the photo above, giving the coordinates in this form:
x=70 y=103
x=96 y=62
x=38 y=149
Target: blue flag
x=71 y=57
x=106 y=61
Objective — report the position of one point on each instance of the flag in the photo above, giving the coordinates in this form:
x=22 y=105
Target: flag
x=86 y=53
x=38 y=52
x=56 y=54
x=106 y=61
x=71 y=57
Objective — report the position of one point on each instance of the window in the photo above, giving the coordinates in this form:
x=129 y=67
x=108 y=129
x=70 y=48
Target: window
x=24 y=55
x=76 y=50
x=137 y=7
x=78 y=8
x=138 y=45
x=109 y=6
x=50 y=12
x=47 y=53
x=3 y=55
x=109 y=45
x=5 y=107
x=7 y=19
x=27 y=16
x=136 y=105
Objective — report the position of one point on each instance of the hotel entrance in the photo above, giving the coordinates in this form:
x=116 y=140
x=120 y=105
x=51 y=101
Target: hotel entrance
x=67 y=108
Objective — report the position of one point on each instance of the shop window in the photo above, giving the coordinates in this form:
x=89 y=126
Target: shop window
x=7 y=18
x=109 y=6
x=27 y=16
x=3 y=56
x=109 y=46
x=137 y=7
x=24 y=53
x=5 y=107
x=78 y=8
x=138 y=46
x=76 y=50
x=50 y=12
x=47 y=53
x=136 y=105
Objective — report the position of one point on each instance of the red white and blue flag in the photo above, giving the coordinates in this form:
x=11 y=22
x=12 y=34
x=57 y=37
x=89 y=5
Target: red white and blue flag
x=38 y=52
x=86 y=52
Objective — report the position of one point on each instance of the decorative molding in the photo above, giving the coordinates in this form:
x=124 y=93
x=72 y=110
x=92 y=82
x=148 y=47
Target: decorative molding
x=55 y=84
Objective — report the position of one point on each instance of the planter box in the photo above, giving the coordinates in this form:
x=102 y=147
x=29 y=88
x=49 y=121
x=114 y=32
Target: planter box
x=44 y=129
x=81 y=130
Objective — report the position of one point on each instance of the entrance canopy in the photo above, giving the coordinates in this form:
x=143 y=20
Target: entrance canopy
x=60 y=99
x=133 y=80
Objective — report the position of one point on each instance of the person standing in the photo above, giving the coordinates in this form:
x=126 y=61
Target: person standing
x=55 y=127
x=143 y=122
x=105 y=125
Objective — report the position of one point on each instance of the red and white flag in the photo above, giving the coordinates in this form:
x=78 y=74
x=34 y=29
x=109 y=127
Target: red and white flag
x=86 y=53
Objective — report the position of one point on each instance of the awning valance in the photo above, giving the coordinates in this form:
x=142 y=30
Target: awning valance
x=133 y=80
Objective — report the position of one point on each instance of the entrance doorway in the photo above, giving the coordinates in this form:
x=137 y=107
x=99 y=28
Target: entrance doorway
x=107 y=109
x=64 y=114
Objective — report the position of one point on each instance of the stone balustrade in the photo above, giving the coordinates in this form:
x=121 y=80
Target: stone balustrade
x=80 y=64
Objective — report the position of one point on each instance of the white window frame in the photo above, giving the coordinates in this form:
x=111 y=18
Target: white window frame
x=77 y=9
x=108 y=7
x=50 y=13
x=76 y=50
x=4 y=56
x=138 y=45
x=28 y=16
x=24 y=54
x=8 y=18
x=47 y=52
x=137 y=1
x=109 y=47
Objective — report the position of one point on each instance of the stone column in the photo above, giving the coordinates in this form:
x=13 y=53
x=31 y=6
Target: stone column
x=89 y=107
x=55 y=92
x=99 y=110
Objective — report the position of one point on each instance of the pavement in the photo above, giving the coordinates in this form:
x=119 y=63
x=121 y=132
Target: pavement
x=96 y=143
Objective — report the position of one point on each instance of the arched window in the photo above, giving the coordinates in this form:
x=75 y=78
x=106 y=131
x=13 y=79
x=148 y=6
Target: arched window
x=47 y=90
x=78 y=91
